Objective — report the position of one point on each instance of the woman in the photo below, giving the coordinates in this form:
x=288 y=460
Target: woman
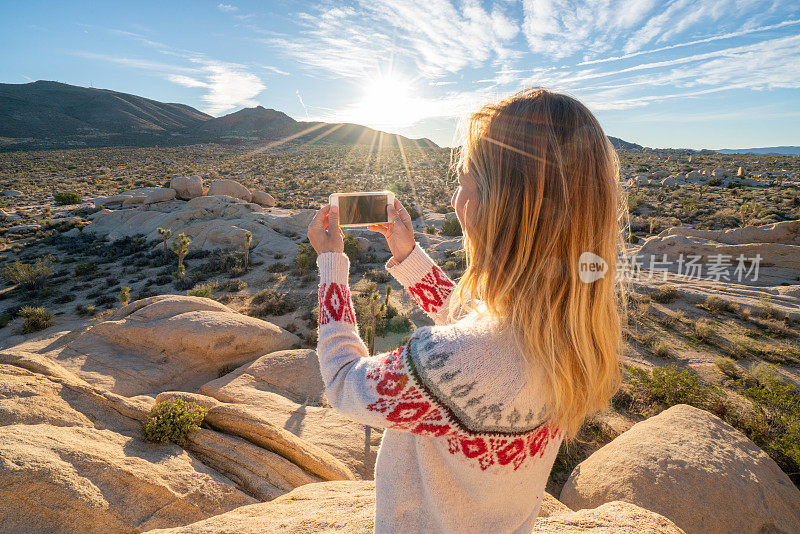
x=476 y=406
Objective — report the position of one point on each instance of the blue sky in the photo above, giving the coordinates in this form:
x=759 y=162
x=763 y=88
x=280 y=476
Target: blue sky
x=678 y=73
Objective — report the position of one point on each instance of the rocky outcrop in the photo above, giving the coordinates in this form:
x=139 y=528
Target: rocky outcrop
x=166 y=342
x=292 y=373
x=78 y=479
x=212 y=222
x=330 y=507
x=252 y=424
x=350 y=442
x=187 y=187
x=617 y=516
x=231 y=188
x=777 y=244
x=263 y=199
x=349 y=507
x=693 y=468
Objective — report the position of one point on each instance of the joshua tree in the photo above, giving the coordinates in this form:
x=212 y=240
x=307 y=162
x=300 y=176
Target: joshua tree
x=181 y=248
x=165 y=234
x=124 y=295
x=248 y=238
x=375 y=312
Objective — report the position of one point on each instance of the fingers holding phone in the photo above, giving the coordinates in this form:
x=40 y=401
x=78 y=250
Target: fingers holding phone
x=399 y=232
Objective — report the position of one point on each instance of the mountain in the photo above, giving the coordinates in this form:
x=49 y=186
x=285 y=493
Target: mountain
x=55 y=110
x=620 y=144
x=46 y=114
x=766 y=151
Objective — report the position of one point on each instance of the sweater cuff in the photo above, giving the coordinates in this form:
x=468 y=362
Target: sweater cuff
x=333 y=267
x=413 y=268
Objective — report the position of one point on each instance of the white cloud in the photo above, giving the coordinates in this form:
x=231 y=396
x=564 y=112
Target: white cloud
x=230 y=86
x=186 y=81
x=228 y=8
x=434 y=37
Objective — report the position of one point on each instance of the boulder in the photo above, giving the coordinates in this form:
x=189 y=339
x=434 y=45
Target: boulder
x=292 y=373
x=618 y=517
x=693 y=468
x=133 y=201
x=187 y=187
x=163 y=194
x=231 y=188
x=330 y=507
x=168 y=342
x=113 y=200
x=263 y=199
x=671 y=180
x=78 y=479
x=324 y=427
x=252 y=424
x=11 y=193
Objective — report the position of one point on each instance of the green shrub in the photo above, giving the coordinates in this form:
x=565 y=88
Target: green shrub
x=83 y=269
x=665 y=294
x=451 y=228
x=124 y=295
x=703 y=329
x=29 y=276
x=633 y=239
x=202 y=290
x=667 y=386
x=430 y=229
x=717 y=305
x=413 y=212
x=278 y=267
x=171 y=420
x=234 y=284
x=36 y=318
x=4 y=319
x=306 y=257
x=270 y=302
x=351 y=247
x=399 y=324
x=65 y=198
x=85 y=311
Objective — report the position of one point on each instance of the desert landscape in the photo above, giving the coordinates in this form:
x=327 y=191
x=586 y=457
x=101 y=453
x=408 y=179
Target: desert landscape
x=151 y=291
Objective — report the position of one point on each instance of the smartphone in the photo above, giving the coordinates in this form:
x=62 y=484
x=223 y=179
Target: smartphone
x=363 y=207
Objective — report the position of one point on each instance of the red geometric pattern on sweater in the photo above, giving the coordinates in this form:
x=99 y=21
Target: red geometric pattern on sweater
x=432 y=290
x=335 y=304
x=407 y=407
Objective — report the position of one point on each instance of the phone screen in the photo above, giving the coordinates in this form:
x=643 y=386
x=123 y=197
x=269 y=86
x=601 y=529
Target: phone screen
x=362 y=209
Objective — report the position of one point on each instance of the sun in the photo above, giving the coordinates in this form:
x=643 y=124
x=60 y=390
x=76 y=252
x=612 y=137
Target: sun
x=387 y=102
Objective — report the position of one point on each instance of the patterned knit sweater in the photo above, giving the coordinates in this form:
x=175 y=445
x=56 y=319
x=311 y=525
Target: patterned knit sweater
x=466 y=448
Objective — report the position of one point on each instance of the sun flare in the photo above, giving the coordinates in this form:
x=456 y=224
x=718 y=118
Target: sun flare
x=387 y=102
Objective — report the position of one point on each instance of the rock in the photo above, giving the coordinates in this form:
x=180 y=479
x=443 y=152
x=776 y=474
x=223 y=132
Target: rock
x=76 y=479
x=693 y=468
x=617 y=517
x=215 y=222
x=133 y=201
x=11 y=193
x=171 y=342
x=786 y=232
x=187 y=187
x=6 y=216
x=250 y=423
x=292 y=373
x=113 y=200
x=671 y=180
x=364 y=244
x=230 y=188
x=695 y=176
x=21 y=228
x=263 y=199
x=324 y=427
x=330 y=507
x=164 y=194
x=740 y=172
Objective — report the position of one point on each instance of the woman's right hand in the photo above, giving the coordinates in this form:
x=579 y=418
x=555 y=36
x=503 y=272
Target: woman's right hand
x=399 y=232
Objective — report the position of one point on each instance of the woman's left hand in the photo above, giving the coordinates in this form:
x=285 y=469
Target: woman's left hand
x=324 y=232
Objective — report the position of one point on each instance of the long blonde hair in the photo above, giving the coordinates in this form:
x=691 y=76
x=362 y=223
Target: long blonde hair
x=548 y=184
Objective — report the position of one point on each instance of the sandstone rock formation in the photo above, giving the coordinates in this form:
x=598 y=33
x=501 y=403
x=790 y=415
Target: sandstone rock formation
x=79 y=479
x=213 y=222
x=263 y=199
x=165 y=342
x=778 y=244
x=292 y=373
x=187 y=187
x=349 y=507
x=693 y=468
x=231 y=188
